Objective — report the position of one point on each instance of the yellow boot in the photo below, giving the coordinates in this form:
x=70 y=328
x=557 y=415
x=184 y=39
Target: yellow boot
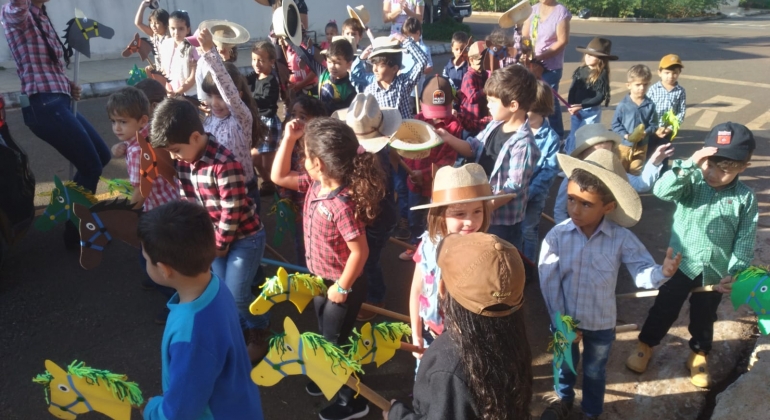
x=699 y=372
x=638 y=360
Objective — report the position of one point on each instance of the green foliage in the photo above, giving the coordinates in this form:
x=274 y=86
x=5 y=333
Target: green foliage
x=754 y=4
x=665 y=9
x=442 y=31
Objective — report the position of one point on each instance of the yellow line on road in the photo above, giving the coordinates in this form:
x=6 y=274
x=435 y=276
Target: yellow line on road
x=729 y=82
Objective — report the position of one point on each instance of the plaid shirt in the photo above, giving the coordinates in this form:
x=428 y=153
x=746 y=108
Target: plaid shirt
x=512 y=172
x=665 y=100
x=329 y=224
x=216 y=181
x=440 y=156
x=578 y=275
x=37 y=72
x=399 y=94
x=714 y=230
x=162 y=191
x=473 y=102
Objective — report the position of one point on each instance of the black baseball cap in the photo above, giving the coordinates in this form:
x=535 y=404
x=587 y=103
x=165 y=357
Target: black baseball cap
x=734 y=141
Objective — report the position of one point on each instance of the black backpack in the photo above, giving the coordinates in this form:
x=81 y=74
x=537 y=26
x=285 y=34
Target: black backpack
x=17 y=183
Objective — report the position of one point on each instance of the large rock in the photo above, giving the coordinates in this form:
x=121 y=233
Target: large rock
x=749 y=396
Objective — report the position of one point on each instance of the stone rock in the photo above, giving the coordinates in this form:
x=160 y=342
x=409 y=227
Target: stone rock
x=750 y=394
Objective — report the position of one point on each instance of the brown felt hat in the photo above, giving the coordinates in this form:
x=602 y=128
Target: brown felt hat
x=480 y=271
x=599 y=47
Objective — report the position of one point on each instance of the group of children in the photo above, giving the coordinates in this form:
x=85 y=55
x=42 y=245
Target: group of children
x=332 y=157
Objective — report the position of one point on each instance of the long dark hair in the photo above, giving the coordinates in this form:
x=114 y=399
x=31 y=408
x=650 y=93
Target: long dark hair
x=183 y=15
x=67 y=53
x=335 y=144
x=495 y=357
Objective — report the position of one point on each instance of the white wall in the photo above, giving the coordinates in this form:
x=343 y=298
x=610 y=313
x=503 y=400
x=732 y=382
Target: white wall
x=119 y=15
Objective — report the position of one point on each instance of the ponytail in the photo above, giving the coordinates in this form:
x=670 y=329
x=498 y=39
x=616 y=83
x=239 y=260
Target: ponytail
x=367 y=186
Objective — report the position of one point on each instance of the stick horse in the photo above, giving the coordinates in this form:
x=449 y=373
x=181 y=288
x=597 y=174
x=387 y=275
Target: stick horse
x=102 y=222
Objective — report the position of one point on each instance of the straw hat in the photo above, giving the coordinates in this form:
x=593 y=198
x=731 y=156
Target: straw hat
x=606 y=166
x=225 y=32
x=599 y=47
x=384 y=45
x=360 y=13
x=373 y=125
x=286 y=22
x=591 y=135
x=516 y=15
x=336 y=38
x=414 y=139
x=466 y=184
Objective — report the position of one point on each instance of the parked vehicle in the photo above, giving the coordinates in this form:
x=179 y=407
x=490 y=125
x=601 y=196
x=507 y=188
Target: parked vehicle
x=458 y=9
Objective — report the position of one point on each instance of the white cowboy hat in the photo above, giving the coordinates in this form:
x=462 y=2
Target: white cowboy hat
x=336 y=38
x=384 y=45
x=286 y=22
x=373 y=125
x=360 y=13
x=225 y=32
x=591 y=135
x=516 y=15
x=465 y=184
x=606 y=166
x=414 y=139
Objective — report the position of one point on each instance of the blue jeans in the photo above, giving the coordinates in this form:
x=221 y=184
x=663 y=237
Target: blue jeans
x=417 y=218
x=238 y=269
x=553 y=77
x=510 y=233
x=530 y=224
x=402 y=192
x=596 y=352
x=49 y=116
x=377 y=237
x=592 y=115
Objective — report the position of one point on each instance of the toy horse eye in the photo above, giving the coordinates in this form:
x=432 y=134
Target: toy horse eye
x=90 y=226
x=63 y=388
x=146 y=156
x=289 y=348
x=60 y=199
x=367 y=343
x=763 y=289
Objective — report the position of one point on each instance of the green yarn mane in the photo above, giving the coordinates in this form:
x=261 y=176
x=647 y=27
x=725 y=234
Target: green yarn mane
x=274 y=287
x=44 y=379
x=317 y=342
x=73 y=187
x=117 y=383
x=751 y=273
x=393 y=329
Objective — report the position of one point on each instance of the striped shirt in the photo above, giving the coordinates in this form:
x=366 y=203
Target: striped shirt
x=399 y=93
x=664 y=100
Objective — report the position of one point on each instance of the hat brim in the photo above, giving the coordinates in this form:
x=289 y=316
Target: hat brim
x=242 y=34
x=354 y=14
x=436 y=111
x=280 y=16
x=595 y=53
x=515 y=15
x=468 y=200
x=628 y=209
x=593 y=141
x=391 y=120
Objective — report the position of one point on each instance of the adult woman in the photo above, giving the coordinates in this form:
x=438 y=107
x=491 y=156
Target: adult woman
x=396 y=12
x=472 y=371
x=548 y=26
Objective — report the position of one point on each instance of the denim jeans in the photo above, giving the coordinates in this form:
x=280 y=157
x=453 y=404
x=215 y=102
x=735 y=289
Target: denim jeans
x=592 y=115
x=553 y=77
x=530 y=224
x=377 y=237
x=596 y=352
x=402 y=192
x=510 y=233
x=238 y=269
x=50 y=117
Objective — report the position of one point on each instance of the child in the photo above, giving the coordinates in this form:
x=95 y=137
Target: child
x=264 y=86
x=714 y=228
x=473 y=102
x=667 y=95
x=547 y=167
x=210 y=175
x=502 y=52
x=590 y=87
x=344 y=185
x=334 y=87
x=635 y=111
x=413 y=29
x=302 y=79
x=157 y=30
x=205 y=365
x=352 y=27
x=179 y=56
x=155 y=93
x=331 y=30
x=579 y=264
x=506 y=148
x=457 y=66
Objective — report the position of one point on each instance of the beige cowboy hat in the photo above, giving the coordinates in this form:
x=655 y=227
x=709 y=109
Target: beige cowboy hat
x=224 y=32
x=465 y=184
x=414 y=139
x=606 y=166
x=286 y=22
x=384 y=45
x=373 y=125
x=336 y=38
x=360 y=13
x=516 y=15
x=591 y=135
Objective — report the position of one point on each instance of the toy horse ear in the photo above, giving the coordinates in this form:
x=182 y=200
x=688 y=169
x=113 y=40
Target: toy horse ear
x=80 y=210
x=57 y=183
x=54 y=369
x=134 y=43
x=366 y=329
x=282 y=274
x=290 y=328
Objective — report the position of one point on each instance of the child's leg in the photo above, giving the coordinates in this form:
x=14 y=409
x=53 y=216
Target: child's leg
x=567 y=379
x=596 y=352
x=529 y=228
x=666 y=308
x=377 y=237
x=703 y=314
x=335 y=321
x=417 y=218
x=574 y=123
x=553 y=77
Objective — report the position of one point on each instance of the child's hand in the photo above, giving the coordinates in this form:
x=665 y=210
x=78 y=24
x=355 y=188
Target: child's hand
x=574 y=109
x=725 y=285
x=671 y=263
x=365 y=53
x=398 y=37
x=119 y=150
x=417 y=341
x=205 y=39
x=416 y=177
x=295 y=129
x=661 y=132
x=579 y=336
x=444 y=134
x=700 y=155
x=222 y=252
x=333 y=295
x=661 y=153
x=667 y=131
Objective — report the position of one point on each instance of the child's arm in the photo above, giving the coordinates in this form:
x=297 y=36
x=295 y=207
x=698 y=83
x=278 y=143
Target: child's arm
x=550 y=276
x=309 y=59
x=548 y=169
x=189 y=82
x=560 y=204
x=682 y=107
x=359 y=252
x=231 y=186
x=359 y=77
x=524 y=155
x=617 y=122
x=420 y=60
x=281 y=174
x=598 y=90
x=140 y=17
x=642 y=267
x=643 y=182
x=678 y=182
x=136 y=197
x=462 y=147
x=414 y=310
x=745 y=238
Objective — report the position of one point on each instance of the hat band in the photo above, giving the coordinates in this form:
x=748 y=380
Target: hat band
x=387 y=48
x=596 y=51
x=461 y=193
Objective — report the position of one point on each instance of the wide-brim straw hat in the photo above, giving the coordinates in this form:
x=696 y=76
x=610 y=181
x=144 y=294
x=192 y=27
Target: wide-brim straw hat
x=414 y=139
x=287 y=23
x=384 y=45
x=466 y=184
x=335 y=38
x=516 y=15
x=372 y=125
x=591 y=135
x=360 y=13
x=599 y=47
x=606 y=166
x=224 y=32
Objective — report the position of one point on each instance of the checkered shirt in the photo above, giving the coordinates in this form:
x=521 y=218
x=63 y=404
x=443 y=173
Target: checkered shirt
x=329 y=224
x=399 y=94
x=665 y=100
x=298 y=165
x=216 y=181
x=162 y=191
x=473 y=102
x=714 y=230
x=442 y=155
x=28 y=48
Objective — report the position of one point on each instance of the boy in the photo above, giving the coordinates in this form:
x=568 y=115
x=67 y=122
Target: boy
x=334 y=86
x=579 y=264
x=506 y=148
x=210 y=175
x=413 y=29
x=457 y=66
x=205 y=366
x=473 y=103
x=633 y=112
x=667 y=95
x=715 y=227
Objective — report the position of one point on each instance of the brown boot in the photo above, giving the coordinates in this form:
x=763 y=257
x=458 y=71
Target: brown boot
x=699 y=371
x=256 y=344
x=639 y=359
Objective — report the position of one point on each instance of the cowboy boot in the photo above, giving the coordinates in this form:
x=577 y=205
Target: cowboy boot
x=698 y=366
x=639 y=359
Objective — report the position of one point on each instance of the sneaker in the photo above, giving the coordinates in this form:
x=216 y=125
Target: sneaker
x=407 y=255
x=558 y=409
x=366 y=315
x=162 y=316
x=257 y=344
x=402 y=232
x=339 y=410
x=313 y=389
x=639 y=359
x=699 y=372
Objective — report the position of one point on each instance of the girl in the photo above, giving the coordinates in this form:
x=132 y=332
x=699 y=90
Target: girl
x=343 y=186
x=331 y=31
x=179 y=57
x=157 y=30
x=590 y=87
x=266 y=91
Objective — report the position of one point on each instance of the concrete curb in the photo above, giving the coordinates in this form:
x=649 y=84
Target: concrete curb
x=718 y=16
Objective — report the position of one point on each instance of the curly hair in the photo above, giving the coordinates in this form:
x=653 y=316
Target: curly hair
x=335 y=144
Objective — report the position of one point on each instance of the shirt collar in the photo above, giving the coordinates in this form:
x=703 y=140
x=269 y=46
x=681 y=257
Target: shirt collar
x=210 y=152
x=606 y=226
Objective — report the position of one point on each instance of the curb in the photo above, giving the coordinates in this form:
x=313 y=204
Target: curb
x=718 y=16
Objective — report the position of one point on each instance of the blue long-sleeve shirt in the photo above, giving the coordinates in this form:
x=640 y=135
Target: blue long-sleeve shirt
x=547 y=166
x=628 y=115
x=205 y=366
x=360 y=75
x=455 y=74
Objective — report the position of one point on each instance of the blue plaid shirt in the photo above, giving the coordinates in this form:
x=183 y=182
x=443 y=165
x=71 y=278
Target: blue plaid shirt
x=547 y=166
x=399 y=93
x=512 y=172
x=665 y=100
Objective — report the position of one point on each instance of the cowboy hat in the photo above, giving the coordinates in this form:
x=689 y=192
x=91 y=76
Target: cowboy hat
x=360 y=13
x=606 y=166
x=286 y=22
x=466 y=184
x=591 y=135
x=224 y=32
x=598 y=47
x=373 y=125
x=385 y=45
x=414 y=139
x=516 y=15
x=336 y=38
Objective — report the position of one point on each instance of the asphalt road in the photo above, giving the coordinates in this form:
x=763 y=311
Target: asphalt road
x=50 y=308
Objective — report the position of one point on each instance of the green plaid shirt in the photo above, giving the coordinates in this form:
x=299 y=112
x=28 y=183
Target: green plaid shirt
x=718 y=227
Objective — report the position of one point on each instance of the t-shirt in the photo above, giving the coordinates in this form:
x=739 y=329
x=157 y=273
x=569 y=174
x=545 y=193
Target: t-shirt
x=492 y=149
x=266 y=94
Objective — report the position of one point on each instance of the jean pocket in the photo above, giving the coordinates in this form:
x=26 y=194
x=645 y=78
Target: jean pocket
x=28 y=113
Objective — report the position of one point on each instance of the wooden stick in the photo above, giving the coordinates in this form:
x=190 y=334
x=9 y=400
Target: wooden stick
x=547 y=217
x=368 y=393
x=385 y=312
x=411 y=348
x=403 y=165
x=650 y=293
x=402 y=243
x=626 y=328
x=417 y=98
x=277 y=255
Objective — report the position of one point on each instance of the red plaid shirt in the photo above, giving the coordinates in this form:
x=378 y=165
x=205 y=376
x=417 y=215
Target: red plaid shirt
x=329 y=223
x=473 y=102
x=162 y=191
x=28 y=47
x=216 y=181
x=440 y=156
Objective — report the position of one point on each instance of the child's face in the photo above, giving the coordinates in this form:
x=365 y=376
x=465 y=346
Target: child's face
x=384 y=73
x=331 y=32
x=191 y=152
x=606 y=145
x=591 y=61
x=125 y=127
x=157 y=27
x=178 y=29
x=299 y=113
x=476 y=64
x=500 y=112
x=637 y=88
x=218 y=106
x=669 y=77
x=585 y=208
x=352 y=32
x=717 y=177
x=338 y=66
x=457 y=49
x=464 y=218
x=261 y=62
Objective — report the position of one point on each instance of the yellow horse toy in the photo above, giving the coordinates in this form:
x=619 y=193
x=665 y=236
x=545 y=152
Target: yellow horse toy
x=81 y=389
x=378 y=343
x=297 y=288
